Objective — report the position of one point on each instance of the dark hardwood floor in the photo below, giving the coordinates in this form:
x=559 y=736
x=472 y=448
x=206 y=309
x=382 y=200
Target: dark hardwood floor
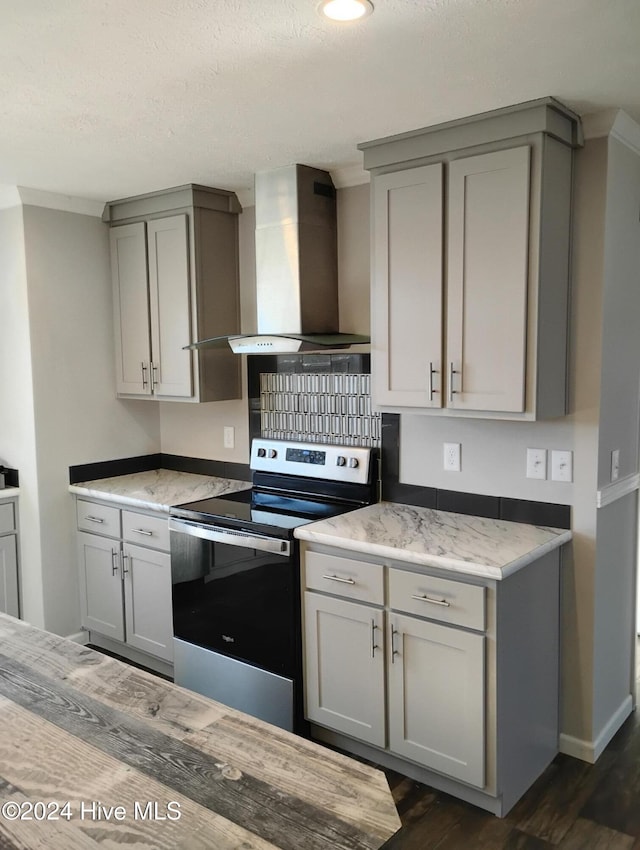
x=573 y=806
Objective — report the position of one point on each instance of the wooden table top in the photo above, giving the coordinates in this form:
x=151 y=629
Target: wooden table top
x=94 y=752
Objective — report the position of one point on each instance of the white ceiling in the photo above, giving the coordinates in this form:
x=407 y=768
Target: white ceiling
x=102 y=99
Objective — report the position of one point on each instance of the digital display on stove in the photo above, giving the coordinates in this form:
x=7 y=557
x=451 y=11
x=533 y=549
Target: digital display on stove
x=307 y=456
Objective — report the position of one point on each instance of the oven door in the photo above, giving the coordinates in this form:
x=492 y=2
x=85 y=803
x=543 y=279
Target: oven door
x=236 y=618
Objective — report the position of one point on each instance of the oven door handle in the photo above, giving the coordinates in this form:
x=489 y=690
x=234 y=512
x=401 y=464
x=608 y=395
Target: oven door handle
x=230 y=536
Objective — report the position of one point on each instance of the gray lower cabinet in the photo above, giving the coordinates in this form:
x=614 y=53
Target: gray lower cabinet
x=349 y=695
x=147 y=601
x=450 y=680
x=125 y=588
x=436 y=697
x=9 y=596
x=101 y=607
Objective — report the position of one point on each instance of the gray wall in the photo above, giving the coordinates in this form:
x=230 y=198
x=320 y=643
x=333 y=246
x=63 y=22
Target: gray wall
x=620 y=374
x=67 y=402
x=17 y=419
x=614 y=609
x=619 y=428
x=353 y=259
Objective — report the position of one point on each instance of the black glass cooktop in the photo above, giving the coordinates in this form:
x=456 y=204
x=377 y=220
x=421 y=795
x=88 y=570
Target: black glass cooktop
x=252 y=507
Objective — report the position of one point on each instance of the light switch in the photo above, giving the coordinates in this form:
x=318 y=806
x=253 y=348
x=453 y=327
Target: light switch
x=537 y=463
x=562 y=466
x=615 y=464
x=229 y=436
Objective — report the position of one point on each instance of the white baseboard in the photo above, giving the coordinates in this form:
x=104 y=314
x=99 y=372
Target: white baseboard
x=79 y=637
x=590 y=751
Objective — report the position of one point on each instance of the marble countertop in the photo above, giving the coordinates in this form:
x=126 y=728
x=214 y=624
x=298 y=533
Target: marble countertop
x=9 y=493
x=158 y=489
x=489 y=548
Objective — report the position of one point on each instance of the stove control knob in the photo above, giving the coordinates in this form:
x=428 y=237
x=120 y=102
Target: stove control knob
x=353 y=462
x=262 y=452
x=341 y=461
x=272 y=453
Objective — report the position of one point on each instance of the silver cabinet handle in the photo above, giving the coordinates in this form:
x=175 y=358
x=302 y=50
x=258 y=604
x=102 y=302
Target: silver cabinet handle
x=90 y=518
x=114 y=561
x=394 y=651
x=125 y=558
x=343 y=580
x=374 y=645
x=432 y=601
x=452 y=372
x=144 y=367
x=154 y=379
x=142 y=531
x=432 y=372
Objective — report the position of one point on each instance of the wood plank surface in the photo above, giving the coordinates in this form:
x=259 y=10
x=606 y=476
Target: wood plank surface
x=80 y=727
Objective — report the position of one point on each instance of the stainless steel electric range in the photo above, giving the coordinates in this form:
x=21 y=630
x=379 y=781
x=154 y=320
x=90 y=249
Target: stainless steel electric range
x=235 y=575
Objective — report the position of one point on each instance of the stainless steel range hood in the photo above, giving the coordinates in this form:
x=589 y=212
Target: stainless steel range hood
x=296 y=266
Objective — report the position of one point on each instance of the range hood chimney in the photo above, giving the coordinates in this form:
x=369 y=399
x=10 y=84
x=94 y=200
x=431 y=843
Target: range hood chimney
x=296 y=265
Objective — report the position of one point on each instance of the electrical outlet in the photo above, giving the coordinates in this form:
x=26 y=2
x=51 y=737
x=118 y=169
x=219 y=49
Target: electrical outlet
x=537 y=463
x=562 y=466
x=452 y=457
x=229 y=436
x=615 y=464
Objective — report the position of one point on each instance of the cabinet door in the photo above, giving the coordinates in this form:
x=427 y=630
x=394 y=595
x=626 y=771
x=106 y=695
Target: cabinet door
x=9 y=576
x=487 y=272
x=169 y=291
x=344 y=671
x=131 y=309
x=147 y=593
x=407 y=287
x=100 y=585
x=436 y=697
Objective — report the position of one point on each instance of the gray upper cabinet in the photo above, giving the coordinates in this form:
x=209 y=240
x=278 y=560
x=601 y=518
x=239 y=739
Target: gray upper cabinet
x=470 y=264
x=174 y=266
x=406 y=320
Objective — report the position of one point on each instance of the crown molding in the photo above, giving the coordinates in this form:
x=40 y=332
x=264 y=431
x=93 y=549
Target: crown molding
x=613 y=122
x=9 y=197
x=350 y=175
x=627 y=131
x=54 y=201
x=246 y=197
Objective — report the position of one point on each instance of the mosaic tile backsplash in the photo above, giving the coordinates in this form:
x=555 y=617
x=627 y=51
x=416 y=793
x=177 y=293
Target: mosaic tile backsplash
x=324 y=407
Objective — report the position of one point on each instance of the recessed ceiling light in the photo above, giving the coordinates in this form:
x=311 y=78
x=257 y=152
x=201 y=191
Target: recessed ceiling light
x=345 y=10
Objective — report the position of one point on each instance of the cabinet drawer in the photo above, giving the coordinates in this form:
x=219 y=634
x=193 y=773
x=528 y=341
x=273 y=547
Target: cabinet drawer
x=152 y=531
x=98 y=519
x=7 y=518
x=437 y=598
x=345 y=577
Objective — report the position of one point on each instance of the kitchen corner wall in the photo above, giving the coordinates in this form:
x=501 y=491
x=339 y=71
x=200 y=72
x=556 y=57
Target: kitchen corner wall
x=17 y=422
x=56 y=384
